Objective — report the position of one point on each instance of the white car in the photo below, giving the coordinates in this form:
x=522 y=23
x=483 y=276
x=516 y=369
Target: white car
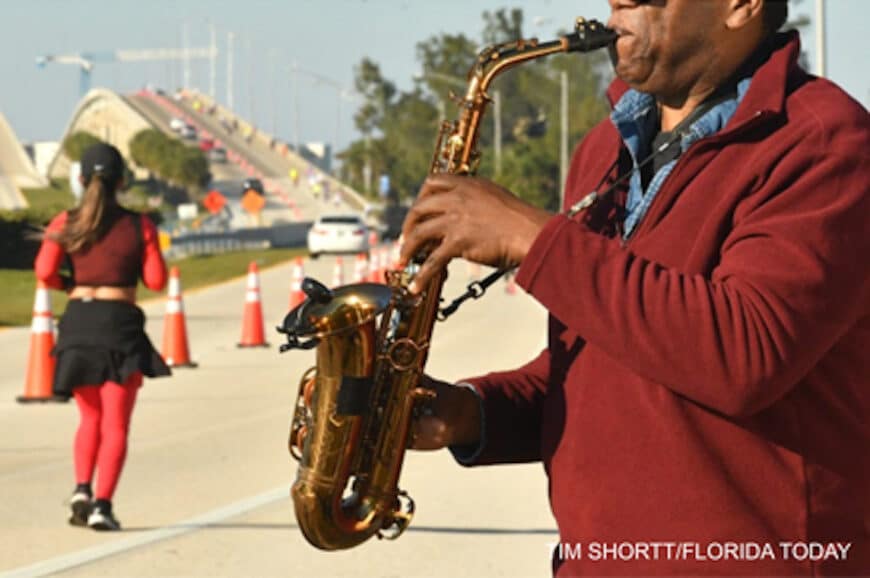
x=338 y=234
x=177 y=124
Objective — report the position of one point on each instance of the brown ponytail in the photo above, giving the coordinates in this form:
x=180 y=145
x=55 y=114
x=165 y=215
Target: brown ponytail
x=88 y=222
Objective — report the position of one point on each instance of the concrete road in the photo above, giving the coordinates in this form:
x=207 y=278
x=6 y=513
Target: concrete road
x=226 y=177
x=273 y=165
x=205 y=490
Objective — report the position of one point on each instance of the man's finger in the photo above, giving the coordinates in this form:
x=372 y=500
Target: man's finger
x=428 y=433
x=439 y=183
x=423 y=211
x=424 y=233
x=436 y=261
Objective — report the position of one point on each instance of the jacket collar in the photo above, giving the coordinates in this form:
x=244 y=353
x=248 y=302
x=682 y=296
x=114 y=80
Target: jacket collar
x=775 y=61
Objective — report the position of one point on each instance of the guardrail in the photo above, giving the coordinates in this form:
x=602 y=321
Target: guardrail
x=208 y=243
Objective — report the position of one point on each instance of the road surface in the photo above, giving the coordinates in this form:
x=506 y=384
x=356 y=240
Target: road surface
x=205 y=489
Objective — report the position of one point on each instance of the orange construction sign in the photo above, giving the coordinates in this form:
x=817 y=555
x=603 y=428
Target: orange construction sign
x=214 y=202
x=253 y=202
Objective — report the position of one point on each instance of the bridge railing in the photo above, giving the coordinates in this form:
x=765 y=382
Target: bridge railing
x=265 y=140
x=288 y=235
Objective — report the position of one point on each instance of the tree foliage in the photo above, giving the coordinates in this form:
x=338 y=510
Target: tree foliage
x=170 y=160
x=77 y=143
x=400 y=127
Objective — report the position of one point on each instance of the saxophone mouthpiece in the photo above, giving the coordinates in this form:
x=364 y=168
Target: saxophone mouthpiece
x=590 y=35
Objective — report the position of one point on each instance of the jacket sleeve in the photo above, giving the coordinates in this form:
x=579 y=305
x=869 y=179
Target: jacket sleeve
x=511 y=408
x=46 y=267
x=793 y=277
x=153 y=266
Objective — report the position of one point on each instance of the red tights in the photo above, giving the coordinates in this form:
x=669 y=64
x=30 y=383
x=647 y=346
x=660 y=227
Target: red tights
x=101 y=440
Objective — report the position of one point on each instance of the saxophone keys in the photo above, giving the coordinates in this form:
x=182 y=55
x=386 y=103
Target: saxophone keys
x=297 y=442
x=400 y=519
x=406 y=355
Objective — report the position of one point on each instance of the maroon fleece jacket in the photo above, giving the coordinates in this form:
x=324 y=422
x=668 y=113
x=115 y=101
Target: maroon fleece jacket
x=708 y=381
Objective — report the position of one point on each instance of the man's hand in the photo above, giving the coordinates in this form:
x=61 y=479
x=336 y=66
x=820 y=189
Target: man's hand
x=455 y=418
x=471 y=218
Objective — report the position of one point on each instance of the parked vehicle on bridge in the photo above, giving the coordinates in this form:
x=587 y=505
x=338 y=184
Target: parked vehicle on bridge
x=338 y=234
x=217 y=155
x=188 y=132
x=177 y=124
x=253 y=185
x=206 y=144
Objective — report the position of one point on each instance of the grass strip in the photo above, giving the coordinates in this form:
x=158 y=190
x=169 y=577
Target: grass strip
x=19 y=286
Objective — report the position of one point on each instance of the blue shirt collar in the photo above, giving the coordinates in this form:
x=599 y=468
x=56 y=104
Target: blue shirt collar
x=635 y=116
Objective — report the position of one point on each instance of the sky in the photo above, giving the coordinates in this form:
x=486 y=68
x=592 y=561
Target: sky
x=327 y=37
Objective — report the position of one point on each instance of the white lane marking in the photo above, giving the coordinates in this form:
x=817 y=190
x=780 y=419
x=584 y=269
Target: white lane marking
x=67 y=561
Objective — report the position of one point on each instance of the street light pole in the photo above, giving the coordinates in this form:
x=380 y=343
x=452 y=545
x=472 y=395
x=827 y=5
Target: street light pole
x=820 y=38
x=564 y=125
x=367 y=167
x=212 y=62
x=273 y=97
x=341 y=93
x=338 y=95
x=295 y=76
x=185 y=40
x=230 y=38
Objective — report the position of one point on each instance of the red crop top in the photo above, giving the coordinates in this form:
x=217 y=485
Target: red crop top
x=114 y=261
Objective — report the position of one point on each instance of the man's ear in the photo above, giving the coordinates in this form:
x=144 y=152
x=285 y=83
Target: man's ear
x=743 y=12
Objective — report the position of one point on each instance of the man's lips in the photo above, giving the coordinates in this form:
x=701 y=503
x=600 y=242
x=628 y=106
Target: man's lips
x=620 y=31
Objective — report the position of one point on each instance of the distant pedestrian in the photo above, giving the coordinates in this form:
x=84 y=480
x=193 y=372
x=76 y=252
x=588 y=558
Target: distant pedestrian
x=102 y=349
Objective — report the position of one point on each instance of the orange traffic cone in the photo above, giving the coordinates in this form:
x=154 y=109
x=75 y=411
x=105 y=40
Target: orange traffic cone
x=360 y=268
x=40 y=363
x=297 y=296
x=385 y=263
x=338 y=273
x=175 y=351
x=374 y=267
x=253 y=334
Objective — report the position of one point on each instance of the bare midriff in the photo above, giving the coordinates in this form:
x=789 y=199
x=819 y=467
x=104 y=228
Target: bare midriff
x=104 y=293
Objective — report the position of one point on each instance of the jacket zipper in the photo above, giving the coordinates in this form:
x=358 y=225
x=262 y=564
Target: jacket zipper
x=682 y=162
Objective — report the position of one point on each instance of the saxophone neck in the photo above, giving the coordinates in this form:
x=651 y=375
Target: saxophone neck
x=588 y=35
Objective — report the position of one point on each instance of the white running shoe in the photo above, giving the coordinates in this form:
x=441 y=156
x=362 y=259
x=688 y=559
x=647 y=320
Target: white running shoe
x=80 y=506
x=103 y=519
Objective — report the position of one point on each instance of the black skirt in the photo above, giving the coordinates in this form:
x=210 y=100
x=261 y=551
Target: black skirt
x=101 y=341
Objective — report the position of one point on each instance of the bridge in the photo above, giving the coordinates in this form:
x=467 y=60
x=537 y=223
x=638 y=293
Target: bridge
x=16 y=170
x=252 y=153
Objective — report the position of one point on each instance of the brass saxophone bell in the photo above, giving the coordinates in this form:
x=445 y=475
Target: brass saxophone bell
x=326 y=311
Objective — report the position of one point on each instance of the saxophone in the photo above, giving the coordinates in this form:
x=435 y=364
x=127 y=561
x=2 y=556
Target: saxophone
x=352 y=419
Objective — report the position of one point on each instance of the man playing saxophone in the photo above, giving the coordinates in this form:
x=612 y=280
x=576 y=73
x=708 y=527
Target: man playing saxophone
x=707 y=379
